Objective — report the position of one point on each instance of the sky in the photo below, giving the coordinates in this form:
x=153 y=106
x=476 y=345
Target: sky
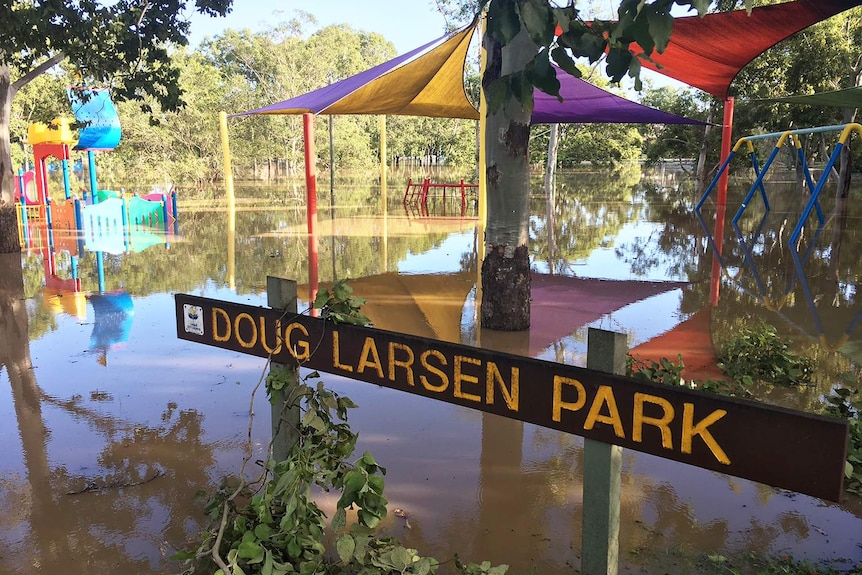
x=406 y=23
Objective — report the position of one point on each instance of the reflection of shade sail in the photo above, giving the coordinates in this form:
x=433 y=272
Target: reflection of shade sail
x=429 y=82
x=709 y=52
x=103 y=129
x=431 y=305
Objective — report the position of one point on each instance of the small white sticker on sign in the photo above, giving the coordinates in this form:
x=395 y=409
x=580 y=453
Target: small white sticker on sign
x=194 y=319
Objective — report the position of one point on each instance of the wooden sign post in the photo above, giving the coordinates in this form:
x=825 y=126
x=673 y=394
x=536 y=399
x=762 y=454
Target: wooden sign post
x=281 y=295
x=603 y=463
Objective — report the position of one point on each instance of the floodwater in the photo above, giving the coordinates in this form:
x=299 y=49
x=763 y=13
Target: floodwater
x=109 y=424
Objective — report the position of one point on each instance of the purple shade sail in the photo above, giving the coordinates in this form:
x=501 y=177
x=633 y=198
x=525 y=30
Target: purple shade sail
x=584 y=103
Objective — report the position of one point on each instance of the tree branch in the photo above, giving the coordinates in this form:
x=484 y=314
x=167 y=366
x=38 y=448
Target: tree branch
x=36 y=72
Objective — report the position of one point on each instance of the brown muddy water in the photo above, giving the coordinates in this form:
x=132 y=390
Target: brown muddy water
x=109 y=424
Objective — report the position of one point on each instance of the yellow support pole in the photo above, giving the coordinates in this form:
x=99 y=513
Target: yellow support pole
x=231 y=199
x=384 y=159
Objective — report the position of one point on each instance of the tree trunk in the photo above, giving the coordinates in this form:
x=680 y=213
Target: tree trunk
x=701 y=173
x=9 y=242
x=551 y=166
x=506 y=266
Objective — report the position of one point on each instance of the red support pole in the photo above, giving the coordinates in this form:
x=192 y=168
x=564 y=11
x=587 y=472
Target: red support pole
x=721 y=206
x=311 y=203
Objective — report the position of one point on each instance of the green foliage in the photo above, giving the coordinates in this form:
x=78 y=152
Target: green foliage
x=758 y=353
x=648 y=25
x=339 y=305
x=273 y=526
x=847 y=404
x=668 y=372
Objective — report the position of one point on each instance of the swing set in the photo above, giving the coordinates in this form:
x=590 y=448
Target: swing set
x=815 y=186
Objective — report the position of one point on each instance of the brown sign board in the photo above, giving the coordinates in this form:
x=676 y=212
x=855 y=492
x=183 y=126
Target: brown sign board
x=772 y=445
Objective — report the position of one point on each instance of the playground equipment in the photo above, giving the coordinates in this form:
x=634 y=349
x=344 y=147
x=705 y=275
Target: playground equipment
x=792 y=242
x=112 y=217
x=846 y=130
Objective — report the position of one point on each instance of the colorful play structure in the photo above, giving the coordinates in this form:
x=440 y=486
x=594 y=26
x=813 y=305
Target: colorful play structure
x=100 y=220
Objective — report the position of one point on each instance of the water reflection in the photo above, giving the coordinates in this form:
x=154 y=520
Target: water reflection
x=165 y=417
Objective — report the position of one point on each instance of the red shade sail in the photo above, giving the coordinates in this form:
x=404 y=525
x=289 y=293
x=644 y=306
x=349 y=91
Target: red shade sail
x=709 y=52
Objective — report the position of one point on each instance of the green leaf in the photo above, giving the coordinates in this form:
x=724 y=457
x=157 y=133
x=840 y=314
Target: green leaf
x=848 y=470
x=543 y=76
x=183 y=555
x=401 y=558
x=249 y=550
x=263 y=531
x=368 y=518
x=522 y=90
x=267 y=567
x=321 y=299
x=536 y=16
x=503 y=22
x=564 y=61
x=339 y=520
x=496 y=94
x=660 y=28
x=345 y=546
x=618 y=63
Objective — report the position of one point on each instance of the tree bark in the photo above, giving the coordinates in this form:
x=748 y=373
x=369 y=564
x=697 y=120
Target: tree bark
x=506 y=266
x=9 y=242
x=701 y=173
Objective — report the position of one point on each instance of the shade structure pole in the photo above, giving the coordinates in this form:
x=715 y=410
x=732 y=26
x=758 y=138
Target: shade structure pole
x=231 y=198
x=721 y=206
x=384 y=156
x=482 y=191
x=311 y=201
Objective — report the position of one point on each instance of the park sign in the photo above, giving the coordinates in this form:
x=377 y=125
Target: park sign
x=779 y=447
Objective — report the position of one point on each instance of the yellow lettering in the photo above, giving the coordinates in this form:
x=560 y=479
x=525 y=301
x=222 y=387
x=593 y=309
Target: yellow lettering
x=605 y=396
x=444 y=379
x=220 y=313
x=266 y=348
x=304 y=349
x=639 y=419
x=369 y=348
x=459 y=377
x=690 y=430
x=407 y=363
x=559 y=404
x=236 y=323
x=336 y=361
x=510 y=395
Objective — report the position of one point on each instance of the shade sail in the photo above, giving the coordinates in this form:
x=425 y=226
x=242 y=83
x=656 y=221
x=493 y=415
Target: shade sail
x=847 y=98
x=584 y=103
x=709 y=52
x=427 y=81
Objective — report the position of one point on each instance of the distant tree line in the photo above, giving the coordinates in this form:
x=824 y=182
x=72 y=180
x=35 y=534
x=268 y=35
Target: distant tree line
x=241 y=70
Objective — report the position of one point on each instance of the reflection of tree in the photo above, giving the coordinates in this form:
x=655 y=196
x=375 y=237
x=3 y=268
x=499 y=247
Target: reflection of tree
x=588 y=210
x=107 y=527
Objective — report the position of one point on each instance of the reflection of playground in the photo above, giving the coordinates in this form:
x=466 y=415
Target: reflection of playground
x=108 y=527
